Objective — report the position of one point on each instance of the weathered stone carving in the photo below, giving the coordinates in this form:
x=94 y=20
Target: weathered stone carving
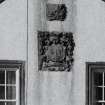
x=56 y=12
x=55 y=51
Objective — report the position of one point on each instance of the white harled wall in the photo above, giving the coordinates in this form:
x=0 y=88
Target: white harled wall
x=53 y=88
x=13 y=30
x=90 y=43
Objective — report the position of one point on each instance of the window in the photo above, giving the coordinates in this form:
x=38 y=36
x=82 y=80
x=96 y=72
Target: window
x=11 y=83
x=95 y=84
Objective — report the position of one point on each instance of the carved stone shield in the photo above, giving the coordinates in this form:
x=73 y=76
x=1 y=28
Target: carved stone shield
x=55 y=51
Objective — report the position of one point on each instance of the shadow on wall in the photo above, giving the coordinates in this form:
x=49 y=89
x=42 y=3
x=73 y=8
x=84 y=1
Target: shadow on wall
x=1 y=1
x=103 y=0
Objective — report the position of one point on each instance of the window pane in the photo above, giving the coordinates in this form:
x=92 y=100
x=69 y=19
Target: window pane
x=104 y=95
x=11 y=92
x=2 y=103
x=11 y=77
x=98 y=78
x=11 y=103
x=98 y=93
x=97 y=103
x=2 y=92
x=104 y=81
x=2 y=77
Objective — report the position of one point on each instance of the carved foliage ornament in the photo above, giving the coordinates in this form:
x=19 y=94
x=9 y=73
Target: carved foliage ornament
x=55 y=51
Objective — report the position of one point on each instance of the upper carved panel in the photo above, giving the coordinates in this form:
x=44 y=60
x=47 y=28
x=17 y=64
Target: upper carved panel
x=56 y=12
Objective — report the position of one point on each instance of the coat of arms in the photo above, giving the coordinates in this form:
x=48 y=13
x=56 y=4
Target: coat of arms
x=55 y=51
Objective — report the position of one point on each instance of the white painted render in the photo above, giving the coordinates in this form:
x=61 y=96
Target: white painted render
x=86 y=21
x=13 y=30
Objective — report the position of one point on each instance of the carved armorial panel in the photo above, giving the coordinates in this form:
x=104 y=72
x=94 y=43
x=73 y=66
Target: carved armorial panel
x=55 y=51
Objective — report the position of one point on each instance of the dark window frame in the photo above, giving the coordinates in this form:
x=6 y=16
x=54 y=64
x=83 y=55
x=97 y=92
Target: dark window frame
x=90 y=68
x=21 y=66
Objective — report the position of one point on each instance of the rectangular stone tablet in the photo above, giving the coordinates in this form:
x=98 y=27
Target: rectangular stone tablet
x=55 y=51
